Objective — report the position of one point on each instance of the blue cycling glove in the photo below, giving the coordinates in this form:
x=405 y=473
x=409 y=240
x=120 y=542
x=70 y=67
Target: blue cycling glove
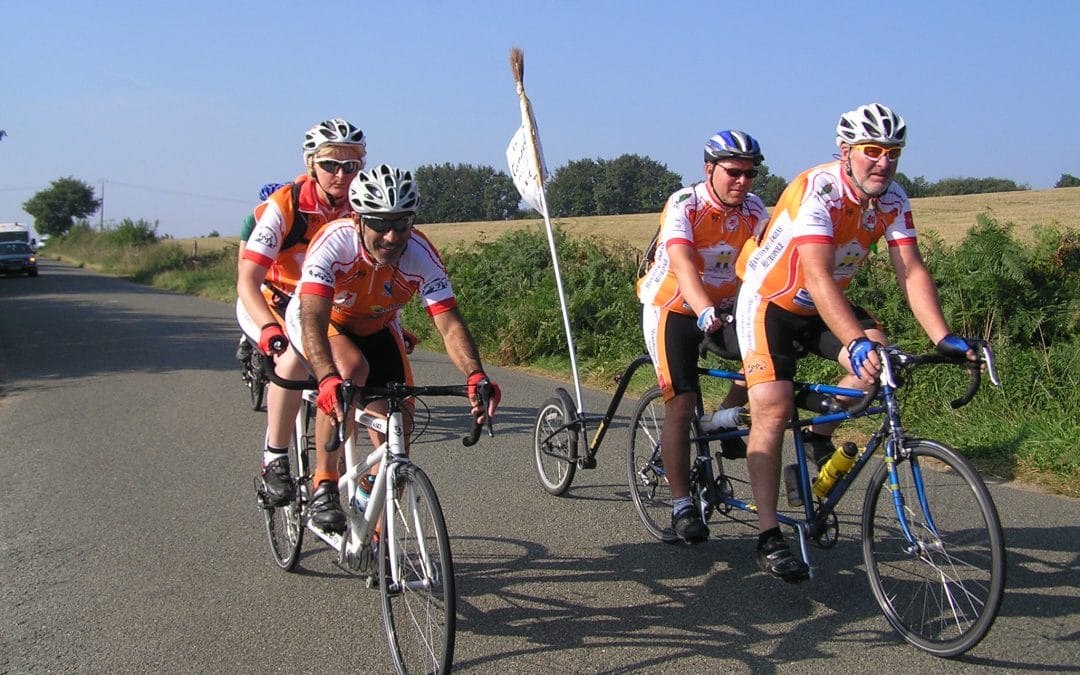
x=858 y=351
x=953 y=346
x=707 y=320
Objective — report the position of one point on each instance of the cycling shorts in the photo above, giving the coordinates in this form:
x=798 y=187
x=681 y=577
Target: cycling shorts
x=275 y=302
x=672 y=340
x=384 y=350
x=773 y=338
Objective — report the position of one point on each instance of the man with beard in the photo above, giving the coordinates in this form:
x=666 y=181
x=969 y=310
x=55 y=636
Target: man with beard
x=794 y=275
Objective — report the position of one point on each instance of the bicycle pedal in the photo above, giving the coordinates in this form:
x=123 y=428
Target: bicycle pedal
x=587 y=463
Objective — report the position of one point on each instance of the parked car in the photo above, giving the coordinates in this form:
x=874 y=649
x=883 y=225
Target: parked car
x=17 y=258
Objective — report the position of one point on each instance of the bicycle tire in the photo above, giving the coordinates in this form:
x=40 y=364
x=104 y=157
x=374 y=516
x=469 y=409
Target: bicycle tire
x=420 y=605
x=555 y=444
x=284 y=524
x=256 y=381
x=644 y=467
x=944 y=595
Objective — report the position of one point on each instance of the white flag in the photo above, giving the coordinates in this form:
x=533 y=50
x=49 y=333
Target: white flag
x=520 y=156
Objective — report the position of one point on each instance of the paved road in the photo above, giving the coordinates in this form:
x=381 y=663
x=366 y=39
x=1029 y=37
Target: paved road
x=130 y=540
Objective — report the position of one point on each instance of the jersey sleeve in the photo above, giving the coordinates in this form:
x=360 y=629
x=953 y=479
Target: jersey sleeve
x=332 y=252
x=676 y=226
x=264 y=244
x=813 y=223
x=422 y=265
x=901 y=231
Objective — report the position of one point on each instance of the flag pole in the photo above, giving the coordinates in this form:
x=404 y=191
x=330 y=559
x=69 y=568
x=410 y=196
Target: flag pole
x=527 y=168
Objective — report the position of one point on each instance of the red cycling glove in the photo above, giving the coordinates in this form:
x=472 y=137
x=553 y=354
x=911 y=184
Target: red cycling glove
x=328 y=400
x=496 y=394
x=272 y=339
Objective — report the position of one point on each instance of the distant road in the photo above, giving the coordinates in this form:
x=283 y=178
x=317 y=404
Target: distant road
x=130 y=541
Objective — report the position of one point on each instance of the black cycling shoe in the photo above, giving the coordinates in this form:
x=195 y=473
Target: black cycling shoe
x=277 y=487
x=325 y=508
x=776 y=558
x=689 y=527
x=818 y=446
x=243 y=351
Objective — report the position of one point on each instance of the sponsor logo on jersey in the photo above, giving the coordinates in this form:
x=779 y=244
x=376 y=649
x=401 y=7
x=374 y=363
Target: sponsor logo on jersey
x=435 y=286
x=267 y=238
x=754 y=365
x=323 y=276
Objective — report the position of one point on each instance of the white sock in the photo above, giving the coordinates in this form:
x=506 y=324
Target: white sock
x=270 y=454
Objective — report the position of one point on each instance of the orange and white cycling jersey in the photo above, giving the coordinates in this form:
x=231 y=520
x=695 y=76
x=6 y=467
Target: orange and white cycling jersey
x=366 y=295
x=716 y=233
x=820 y=206
x=273 y=220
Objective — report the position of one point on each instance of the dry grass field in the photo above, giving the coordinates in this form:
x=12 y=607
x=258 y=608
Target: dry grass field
x=949 y=217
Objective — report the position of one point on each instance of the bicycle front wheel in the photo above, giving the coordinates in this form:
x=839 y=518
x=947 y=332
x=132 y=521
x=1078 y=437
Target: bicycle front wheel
x=419 y=600
x=284 y=527
x=555 y=445
x=940 y=583
x=644 y=468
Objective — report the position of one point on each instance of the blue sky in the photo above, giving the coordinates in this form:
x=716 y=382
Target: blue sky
x=185 y=109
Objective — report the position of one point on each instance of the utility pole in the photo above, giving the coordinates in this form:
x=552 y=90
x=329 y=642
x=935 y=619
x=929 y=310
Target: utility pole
x=101 y=212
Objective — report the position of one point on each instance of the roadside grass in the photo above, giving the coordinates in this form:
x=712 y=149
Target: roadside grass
x=1016 y=284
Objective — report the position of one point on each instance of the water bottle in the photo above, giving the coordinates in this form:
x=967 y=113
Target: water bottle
x=837 y=466
x=363 y=492
x=724 y=418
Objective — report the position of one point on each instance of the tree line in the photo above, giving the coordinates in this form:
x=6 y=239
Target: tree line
x=454 y=193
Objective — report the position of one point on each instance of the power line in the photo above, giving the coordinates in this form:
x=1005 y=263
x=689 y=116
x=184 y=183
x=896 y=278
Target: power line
x=179 y=193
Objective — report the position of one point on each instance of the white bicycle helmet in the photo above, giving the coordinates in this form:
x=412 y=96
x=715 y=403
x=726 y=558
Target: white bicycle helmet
x=337 y=131
x=733 y=144
x=384 y=190
x=873 y=123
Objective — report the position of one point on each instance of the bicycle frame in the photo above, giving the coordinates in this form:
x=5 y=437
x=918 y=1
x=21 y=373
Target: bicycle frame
x=814 y=523
x=579 y=419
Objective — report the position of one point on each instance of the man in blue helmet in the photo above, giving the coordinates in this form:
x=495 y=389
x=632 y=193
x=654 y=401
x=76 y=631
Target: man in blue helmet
x=689 y=289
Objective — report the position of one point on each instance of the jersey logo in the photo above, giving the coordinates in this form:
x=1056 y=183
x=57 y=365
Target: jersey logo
x=435 y=287
x=387 y=287
x=267 y=238
x=825 y=189
x=323 y=276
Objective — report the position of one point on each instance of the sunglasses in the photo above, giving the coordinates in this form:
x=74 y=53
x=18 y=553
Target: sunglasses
x=383 y=225
x=739 y=173
x=331 y=166
x=875 y=152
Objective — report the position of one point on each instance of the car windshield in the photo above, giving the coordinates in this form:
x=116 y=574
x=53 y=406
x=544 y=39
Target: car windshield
x=14 y=247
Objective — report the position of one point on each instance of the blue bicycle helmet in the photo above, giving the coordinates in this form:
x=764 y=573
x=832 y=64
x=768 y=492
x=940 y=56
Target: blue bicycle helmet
x=733 y=144
x=269 y=189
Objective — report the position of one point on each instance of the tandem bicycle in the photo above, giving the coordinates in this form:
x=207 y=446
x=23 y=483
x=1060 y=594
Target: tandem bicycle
x=932 y=542
x=398 y=539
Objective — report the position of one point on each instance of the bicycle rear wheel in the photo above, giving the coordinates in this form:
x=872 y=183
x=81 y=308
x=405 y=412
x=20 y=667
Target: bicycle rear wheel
x=645 y=469
x=555 y=444
x=419 y=600
x=256 y=381
x=284 y=527
x=942 y=591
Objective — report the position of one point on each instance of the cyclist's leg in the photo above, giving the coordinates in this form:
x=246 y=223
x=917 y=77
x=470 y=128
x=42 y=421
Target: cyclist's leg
x=385 y=352
x=766 y=335
x=821 y=341
x=673 y=339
